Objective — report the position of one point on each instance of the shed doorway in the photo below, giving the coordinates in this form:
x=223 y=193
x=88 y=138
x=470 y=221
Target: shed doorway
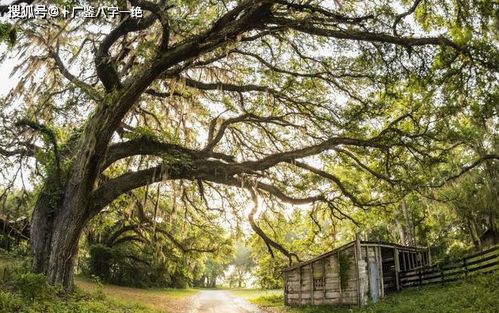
x=389 y=272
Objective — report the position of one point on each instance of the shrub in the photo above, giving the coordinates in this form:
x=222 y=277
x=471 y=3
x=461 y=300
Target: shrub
x=101 y=259
x=10 y=303
x=31 y=285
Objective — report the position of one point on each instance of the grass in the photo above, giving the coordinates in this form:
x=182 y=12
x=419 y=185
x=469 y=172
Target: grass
x=29 y=293
x=477 y=295
x=78 y=303
x=263 y=298
x=251 y=294
x=169 y=300
x=89 y=298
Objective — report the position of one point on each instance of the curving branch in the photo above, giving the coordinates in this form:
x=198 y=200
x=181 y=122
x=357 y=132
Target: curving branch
x=358 y=35
x=214 y=138
x=332 y=16
x=151 y=146
x=68 y=75
x=29 y=150
x=184 y=166
x=399 y=17
x=381 y=176
x=356 y=201
x=104 y=64
x=466 y=169
x=268 y=241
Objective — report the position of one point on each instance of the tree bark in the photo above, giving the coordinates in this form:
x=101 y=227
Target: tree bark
x=54 y=240
x=60 y=214
x=408 y=224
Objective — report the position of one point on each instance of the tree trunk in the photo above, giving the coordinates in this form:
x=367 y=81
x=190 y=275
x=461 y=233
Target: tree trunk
x=409 y=226
x=56 y=226
x=64 y=208
x=401 y=232
x=472 y=226
x=41 y=233
x=55 y=243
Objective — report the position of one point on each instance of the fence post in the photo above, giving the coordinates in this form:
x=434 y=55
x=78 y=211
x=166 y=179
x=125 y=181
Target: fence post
x=465 y=267
x=441 y=274
x=420 y=277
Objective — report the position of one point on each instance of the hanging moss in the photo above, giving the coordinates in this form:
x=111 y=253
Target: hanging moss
x=345 y=261
x=143 y=133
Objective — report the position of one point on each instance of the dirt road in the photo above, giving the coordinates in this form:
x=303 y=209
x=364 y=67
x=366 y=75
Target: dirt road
x=218 y=301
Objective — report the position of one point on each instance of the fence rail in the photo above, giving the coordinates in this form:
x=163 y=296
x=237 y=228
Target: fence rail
x=480 y=262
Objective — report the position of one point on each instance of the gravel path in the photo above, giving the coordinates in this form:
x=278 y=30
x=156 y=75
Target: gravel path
x=218 y=301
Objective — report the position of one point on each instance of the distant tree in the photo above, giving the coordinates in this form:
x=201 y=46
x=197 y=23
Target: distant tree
x=243 y=263
x=253 y=95
x=214 y=270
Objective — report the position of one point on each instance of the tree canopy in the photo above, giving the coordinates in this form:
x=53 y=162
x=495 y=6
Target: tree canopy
x=239 y=107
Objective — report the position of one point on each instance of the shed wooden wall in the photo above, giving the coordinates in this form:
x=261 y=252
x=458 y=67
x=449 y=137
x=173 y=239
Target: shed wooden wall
x=299 y=288
x=300 y=283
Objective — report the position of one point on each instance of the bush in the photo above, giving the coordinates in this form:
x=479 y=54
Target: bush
x=32 y=285
x=78 y=302
x=101 y=259
x=10 y=303
x=124 y=266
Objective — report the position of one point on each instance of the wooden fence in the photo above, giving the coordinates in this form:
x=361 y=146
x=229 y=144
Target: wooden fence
x=480 y=262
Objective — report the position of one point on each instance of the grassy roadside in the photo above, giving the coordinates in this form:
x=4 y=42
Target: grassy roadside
x=28 y=293
x=252 y=294
x=169 y=300
x=263 y=298
x=477 y=295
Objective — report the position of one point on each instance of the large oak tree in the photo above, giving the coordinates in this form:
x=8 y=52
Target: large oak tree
x=268 y=96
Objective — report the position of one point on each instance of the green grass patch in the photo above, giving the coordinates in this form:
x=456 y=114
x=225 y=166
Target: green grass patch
x=29 y=293
x=164 y=300
x=11 y=302
x=475 y=295
x=24 y=292
x=264 y=298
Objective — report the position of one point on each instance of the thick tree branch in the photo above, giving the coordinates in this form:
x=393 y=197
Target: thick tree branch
x=352 y=34
x=356 y=201
x=271 y=243
x=206 y=169
x=148 y=146
x=106 y=69
x=464 y=170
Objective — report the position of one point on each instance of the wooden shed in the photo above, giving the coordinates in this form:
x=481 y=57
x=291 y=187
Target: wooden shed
x=351 y=275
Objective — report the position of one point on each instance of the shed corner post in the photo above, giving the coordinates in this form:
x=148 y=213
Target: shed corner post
x=358 y=256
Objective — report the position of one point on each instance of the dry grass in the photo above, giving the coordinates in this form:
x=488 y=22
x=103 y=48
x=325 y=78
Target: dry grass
x=165 y=300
